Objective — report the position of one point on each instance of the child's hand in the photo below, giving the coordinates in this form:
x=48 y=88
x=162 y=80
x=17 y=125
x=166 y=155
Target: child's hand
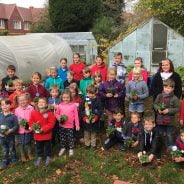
x=7 y=88
x=178 y=159
x=33 y=104
x=8 y=132
x=165 y=111
x=139 y=154
x=87 y=121
x=160 y=112
x=135 y=144
x=135 y=97
x=109 y=95
x=77 y=128
x=93 y=120
x=181 y=122
x=116 y=96
x=150 y=157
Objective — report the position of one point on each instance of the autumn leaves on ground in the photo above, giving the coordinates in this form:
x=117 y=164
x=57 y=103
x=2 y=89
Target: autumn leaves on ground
x=96 y=167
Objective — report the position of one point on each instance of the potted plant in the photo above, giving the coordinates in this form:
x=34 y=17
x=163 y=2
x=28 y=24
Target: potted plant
x=128 y=142
x=143 y=158
x=35 y=100
x=110 y=130
x=3 y=129
x=24 y=124
x=160 y=106
x=63 y=119
x=10 y=83
x=176 y=152
x=36 y=127
x=111 y=90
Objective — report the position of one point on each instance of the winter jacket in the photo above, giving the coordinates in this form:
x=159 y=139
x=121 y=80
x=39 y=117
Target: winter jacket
x=102 y=69
x=70 y=110
x=172 y=104
x=121 y=72
x=77 y=69
x=62 y=73
x=11 y=122
x=116 y=88
x=141 y=89
x=144 y=75
x=95 y=108
x=23 y=113
x=54 y=81
x=46 y=120
x=84 y=83
x=157 y=85
x=181 y=117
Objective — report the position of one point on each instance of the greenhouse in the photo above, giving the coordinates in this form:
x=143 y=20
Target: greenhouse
x=34 y=52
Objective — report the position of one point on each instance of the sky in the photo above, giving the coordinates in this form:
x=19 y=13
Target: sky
x=26 y=3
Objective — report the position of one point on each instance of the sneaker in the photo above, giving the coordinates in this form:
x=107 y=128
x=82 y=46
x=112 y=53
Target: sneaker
x=38 y=161
x=122 y=147
x=4 y=165
x=71 y=152
x=14 y=161
x=48 y=161
x=61 y=152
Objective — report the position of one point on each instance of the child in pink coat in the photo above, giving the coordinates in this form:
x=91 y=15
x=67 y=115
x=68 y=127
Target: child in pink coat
x=23 y=112
x=66 y=122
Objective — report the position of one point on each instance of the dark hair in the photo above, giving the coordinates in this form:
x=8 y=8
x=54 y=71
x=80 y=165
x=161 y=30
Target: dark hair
x=169 y=82
x=118 y=111
x=74 y=89
x=118 y=54
x=71 y=73
x=77 y=54
x=65 y=59
x=181 y=131
x=150 y=119
x=38 y=74
x=86 y=70
x=11 y=67
x=66 y=91
x=101 y=57
x=171 y=65
x=139 y=59
x=91 y=89
x=7 y=101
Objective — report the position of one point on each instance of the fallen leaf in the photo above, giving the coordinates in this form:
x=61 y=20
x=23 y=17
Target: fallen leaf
x=58 y=172
x=114 y=177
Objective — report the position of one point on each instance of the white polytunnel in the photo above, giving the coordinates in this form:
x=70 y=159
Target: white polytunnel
x=32 y=53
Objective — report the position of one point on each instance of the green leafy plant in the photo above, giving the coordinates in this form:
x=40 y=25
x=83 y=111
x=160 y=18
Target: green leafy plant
x=143 y=158
x=176 y=152
x=180 y=71
x=3 y=129
x=129 y=68
x=160 y=106
x=91 y=116
x=24 y=124
x=128 y=142
x=133 y=93
x=10 y=83
x=110 y=130
x=35 y=100
x=36 y=127
x=63 y=118
x=111 y=90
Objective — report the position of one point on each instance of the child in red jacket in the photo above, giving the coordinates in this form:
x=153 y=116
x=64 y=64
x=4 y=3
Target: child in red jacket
x=182 y=113
x=42 y=122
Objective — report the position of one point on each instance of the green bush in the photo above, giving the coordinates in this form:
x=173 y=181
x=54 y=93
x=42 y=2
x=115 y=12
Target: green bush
x=180 y=71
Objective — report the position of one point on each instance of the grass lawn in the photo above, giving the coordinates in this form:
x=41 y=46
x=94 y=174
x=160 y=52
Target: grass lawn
x=95 y=167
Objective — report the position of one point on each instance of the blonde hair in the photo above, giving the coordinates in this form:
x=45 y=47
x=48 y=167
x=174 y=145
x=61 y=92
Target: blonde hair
x=139 y=71
x=112 y=70
x=17 y=81
x=53 y=68
x=54 y=87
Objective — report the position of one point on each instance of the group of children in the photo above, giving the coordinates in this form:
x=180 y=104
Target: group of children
x=70 y=103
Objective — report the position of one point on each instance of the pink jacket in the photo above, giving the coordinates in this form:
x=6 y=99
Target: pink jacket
x=22 y=113
x=69 y=110
x=144 y=75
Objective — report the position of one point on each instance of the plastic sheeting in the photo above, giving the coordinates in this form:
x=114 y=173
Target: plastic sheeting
x=31 y=53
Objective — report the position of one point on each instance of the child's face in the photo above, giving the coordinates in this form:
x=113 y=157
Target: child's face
x=66 y=98
x=99 y=61
x=165 y=66
x=91 y=95
x=73 y=92
x=69 y=77
x=5 y=107
x=63 y=64
x=111 y=75
x=42 y=104
x=76 y=58
x=118 y=59
x=168 y=89
x=182 y=137
x=18 y=86
x=134 y=119
x=10 y=73
x=118 y=117
x=53 y=73
x=137 y=64
x=136 y=75
x=149 y=125
x=73 y=85
x=54 y=93
x=86 y=74
x=35 y=79
x=98 y=79
x=23 y=101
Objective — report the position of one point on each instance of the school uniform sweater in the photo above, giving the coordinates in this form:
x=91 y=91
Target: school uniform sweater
x=62 y=72
x=102 y=69
x=84 y=83
x=54 y=81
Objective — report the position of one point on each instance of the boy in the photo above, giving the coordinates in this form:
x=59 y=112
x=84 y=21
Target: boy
x=54 y=79
x=119 y=124
x=63 y=69
x=148 y=138
x=7 y=82
x=166 y=106
x=70 y=80
x=85 y=81
x=90 y=111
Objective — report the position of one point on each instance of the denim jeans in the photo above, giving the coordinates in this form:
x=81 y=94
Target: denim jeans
x=8 y=148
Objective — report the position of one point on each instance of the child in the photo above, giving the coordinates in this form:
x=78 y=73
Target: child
x=36 y=89
x=45 y=120
x=165 y=114
x=181 y=117
x=133 y=128
x=23 y=112
x=85 y=81
x=8 y=128
x=137 y=91
x=66 y=129
x=99 y=67
x=63 y=69
x=110 y=93
x=8 y=80
x=90 y=111
x=148 y=138
x=119 y=124
x=138 y=63
x=54 y=79
x=17 y=83
x=70 y=79
x=97 y=79
x=77 y=67
x=75 y=96
x=3 y=93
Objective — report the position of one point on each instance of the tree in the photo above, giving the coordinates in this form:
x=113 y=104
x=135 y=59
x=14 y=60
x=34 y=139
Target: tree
x=73 y=15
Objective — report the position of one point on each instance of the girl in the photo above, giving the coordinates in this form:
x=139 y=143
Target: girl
x=97 y=79
x=111 y=92
x=36 y=89
x=138 y=63
x=8 y=128
x=99 y=67
x=63 y=69
x=23 y=112
x=137 y=91
x=75 y=96
x=66 y=130
x=44 y=120
x=77 y=67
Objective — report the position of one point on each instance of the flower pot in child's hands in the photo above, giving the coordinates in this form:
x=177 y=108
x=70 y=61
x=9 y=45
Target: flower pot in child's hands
x=63 y=119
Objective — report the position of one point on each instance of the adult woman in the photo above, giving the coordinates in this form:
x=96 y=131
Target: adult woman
x=77 y=67
x=165 y=71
